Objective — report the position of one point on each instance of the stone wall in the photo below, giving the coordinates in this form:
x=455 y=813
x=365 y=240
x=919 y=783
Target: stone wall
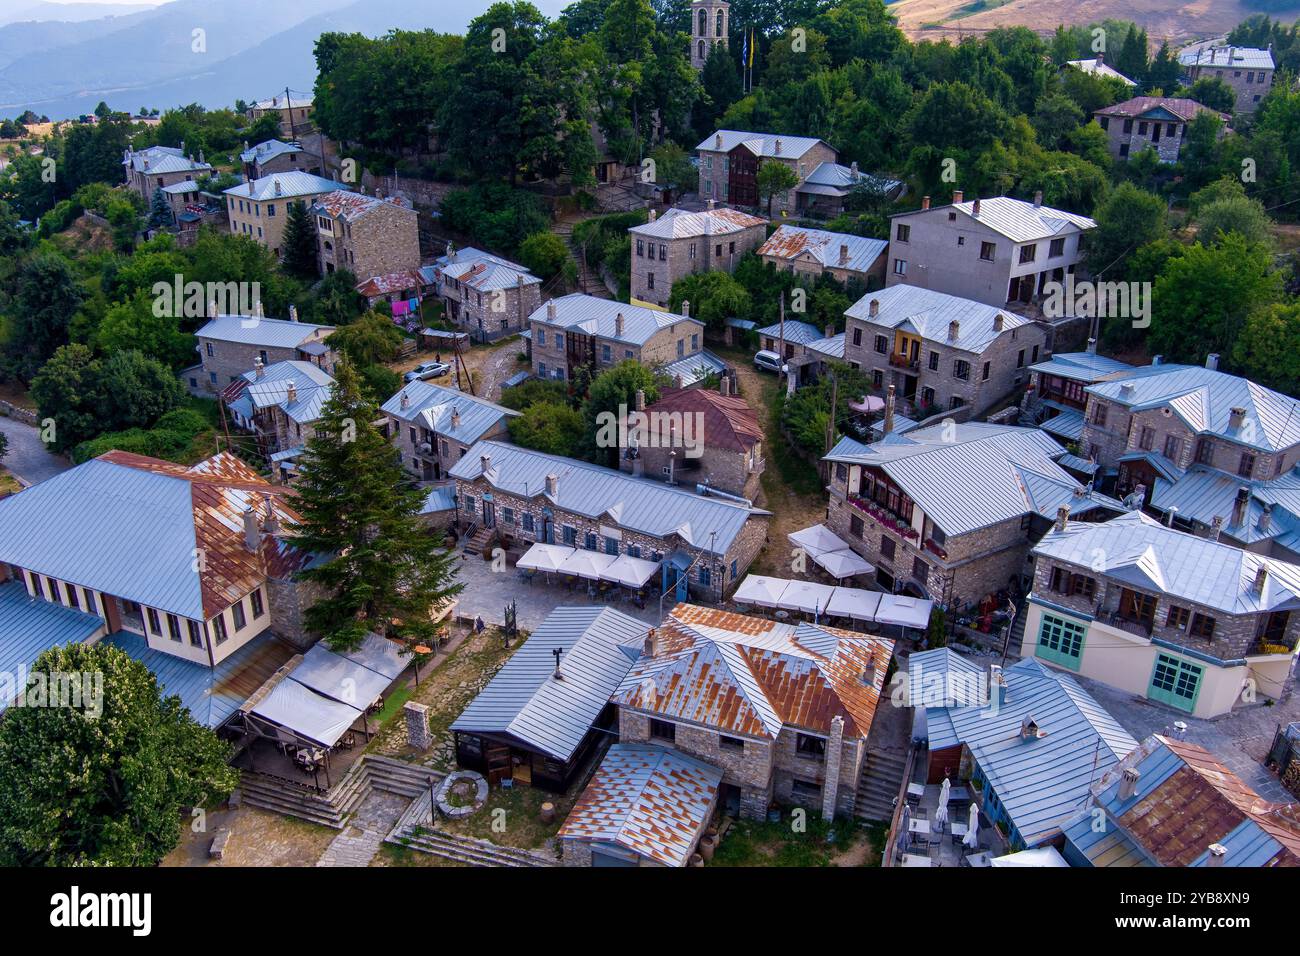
x=491 y=315
x=384 y=240
x=1137 y=135
x=288 y=601
x=669 y=260
x=18 y=413
x=725 y=469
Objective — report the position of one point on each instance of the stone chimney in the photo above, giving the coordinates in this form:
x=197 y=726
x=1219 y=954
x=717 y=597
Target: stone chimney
x=1062 y=518
x=873 y=308
x=293 y=313
x=957 y=196
x=830 y=331
x=653 y=216
x=1265 y=518
x=1092 y=346
x=485 y=463
x=638 y=403
x=1261 y=579
x=550 y=311
x=853 y=169
x=1212 y=361
x=724 y=385
x=1235 y=417
x=291 y=392
x=844 y=253
x=1157 y=360
x=455 y=417
x=998 y=322
x=975 y=207
x=712 y=204
x=834 y=757
x=717 y=141
x=406 y=400
x=1239 y=506
x=997 y=686
x=552 y=485
x=259 y=370
x=278 y=190
x=650 y=646
x=925 y=202
x=618 y=326
x=270 y=521
x=869 y=671
x=252 y=533
x=1038 y=198
x=776 y=150
x=1216 y=528
x=888 y=425
x=686 y=308
x=1217 y=852
x=1128 y=782
x=954 y=330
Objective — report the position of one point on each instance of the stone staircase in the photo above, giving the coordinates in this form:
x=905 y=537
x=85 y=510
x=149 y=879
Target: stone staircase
x=414 y=831
x=589 y=279
x=1017 y=639
x=333 y=807
x=479 y=541
x=882 y=777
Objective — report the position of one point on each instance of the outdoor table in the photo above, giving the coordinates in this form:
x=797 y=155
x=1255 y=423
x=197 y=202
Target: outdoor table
x=978 y=859
x=914 y=859
x=918 y=827
x=959 y=794
x=915 y=791
x=958 y=831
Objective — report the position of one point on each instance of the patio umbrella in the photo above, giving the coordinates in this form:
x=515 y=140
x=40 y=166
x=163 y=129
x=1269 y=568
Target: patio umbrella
x=842 y=564
x=587 y=564
x=817 y=540
x=544 y=557
x=761 y=590
x=904 y=826
x=629 y=571
x=972 y=839
x=941 y=812
x=856 y=603
x=807 y=596
x=867 y=403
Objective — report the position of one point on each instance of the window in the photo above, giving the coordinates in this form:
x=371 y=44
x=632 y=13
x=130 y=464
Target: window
x=934 y=361
x=155 y=623
x=633 y=551
x=541 y=336
x=961 y=369
x=640 y=250
x=174 y=628
x=1247 y=465
x=1137 y=607
x=650 y=280
x=1060 y=580
x=1175 y=682
x=604 y=352
x=988 y=250
x=1060 y=641
x=900 y=267
x=805 y=791
x=1056 y=249
x=559 y=340
x=841 y=472
x=806 y=745
x=89 y=596
x=663 y=730
x=1099 y=415
x=209 y=348
x=256 y=600
x=1020 y=359
x=663 y=252
x=903 y=233
x=469 y=504
x=877 y=378
x=527 y=521
x=36 y=586
x=1177 y=617
x=887 y=548
x=855 y=526
x=71 y=590
x=270 y=210
x=570 y=535
x=704 y=577
x=882 y=345
x=196 y=635
x=919 y=570
x=1173 y=448
x=1083 y=586
x=988 y=367
x=1202 y=627
x=857 y=336
x=734 y=744
x=219 y=628
x=1027 y=253
x=237 y=612
x=1146 y=438
x=1204 y=451
x=589 y=541
x=927 y=396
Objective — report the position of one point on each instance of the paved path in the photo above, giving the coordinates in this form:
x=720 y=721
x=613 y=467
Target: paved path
x=27 y=457
x=365 y=832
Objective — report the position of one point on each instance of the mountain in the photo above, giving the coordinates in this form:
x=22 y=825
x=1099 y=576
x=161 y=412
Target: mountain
x=254 y=49
x=18 y=40
x=14 y=11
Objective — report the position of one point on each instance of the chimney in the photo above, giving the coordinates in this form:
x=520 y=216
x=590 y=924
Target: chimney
x=653 y=215
x=888 y=425
x=672 y=467
x=1028 y=728
x=1261 y=579
x=957 y=196
x=1216 y=528
x=712 y=203
x=997 y=322
x=270 y=521
x=278 y=191
x=455 y=417
x=1062 y=518
x=1092 y=346
x=252 y=533
x=550 y=311
x=556 y=675
x=997 y=686
x=1239 y=506
x=1038 y=198
x=1212 y=361
x=777 y=150
x=451 y=252
x=1157 y=360
x=869 y=670
x=293 y=313
x=291 y=392
x=1128 y=782
x=873 y=308
x=853 y=169
x=844 y=253
x=717 y=141
x=1101 y=58
x=552 y=485
x=724 y=385
x=650 y=647
x=639 y=401
x=975 y=207
x=259 y=369
x=406 y=400
x=1235 y=417
x=925 y=202
x=1265 y=518
x=830 y=331
x=954 y=330
x=1217 y=852
x=618 y=326
x=686 y=308
x=485 y=463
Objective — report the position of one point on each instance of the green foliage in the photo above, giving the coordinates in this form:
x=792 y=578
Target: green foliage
x=714 y=298
x=104 y=783
x=551 y=427
x=160 y=211
x=46 y=293
x=134 y=325
x=774 y=177
x=370 y=340
x=379 y=383
x=299 y=244
x=177 y=436
x=544 y=253
x=335 y=300
x=806 y=415
x=494 y=215
x=534 y=391
x=1213 y=92
x=1268 y=349
x=613 y=388
x=1223 y=207
x=1128 y=218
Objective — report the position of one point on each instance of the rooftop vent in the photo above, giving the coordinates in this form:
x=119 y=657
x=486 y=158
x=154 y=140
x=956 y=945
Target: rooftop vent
x=1128 y=782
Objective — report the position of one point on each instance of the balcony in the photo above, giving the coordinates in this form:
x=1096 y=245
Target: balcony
x=885 y=518
x=902 y=361
x=1130 y=624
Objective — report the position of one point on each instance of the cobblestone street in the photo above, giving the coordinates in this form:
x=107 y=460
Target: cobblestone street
x=365 y=832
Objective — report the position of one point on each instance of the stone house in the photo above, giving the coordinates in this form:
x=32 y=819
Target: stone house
x=230 y=345
x=295 y=113
x=822 y=194
x=729 y=162
x=697 y=436
x=277 y=156
x=280 y=403
x=433 y=427
x=366 y=235
x=812 y=253
x=1246 y=70
x=577 y=330
x=705 y=544
x=949 y=511
x=1056 y=398
x=160 y=166
x=801 y=702
x=939 y=351
x=680 y=243
x=995 y=250
x=1156 y=121
x=485 y=295
x=1182 y=620
x=258 y=208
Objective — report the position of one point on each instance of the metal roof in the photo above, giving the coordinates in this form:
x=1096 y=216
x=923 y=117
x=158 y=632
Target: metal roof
x=650 y=800
x=312 y=384
x=482 y=271
x=764 y=145
x=181 y=188
x=525 y=701
x=694 y=368
x=833 y=250
x=751 y=676
x=211 y=694
x=637 y=504
x=832 y=348
x=1018 y=220
x=929 y=315
x=1067 y=425
x=1045 y=781
x=1138 y=550
x=976 y=474
x=164 y=159
x=267 y=151
x=1204 y=399
x=685 y=224
x=1080 y=366
x=796 y=332
x=284 y=186
x=832 y=179
x=598 y=317
x=1108 y=847
x=284 y=102
x=1204 y=493
x=30 y=626
x=1099 y=67
x=259 y=331
x=1227 y=57
x=447 y=411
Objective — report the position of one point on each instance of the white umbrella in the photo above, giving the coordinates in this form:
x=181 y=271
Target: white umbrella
x=972 y=839
x=842 y=564
x=761 y=590
x=868 y=403
x=807 y=596
x=907 y=611
x=544 y=557
x=941 y=813
x=629 y=571
x=587 y=564
x=856 y=603
x=1042 y=856
x=818 y=539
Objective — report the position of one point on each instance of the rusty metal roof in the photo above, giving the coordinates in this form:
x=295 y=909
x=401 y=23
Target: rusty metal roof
x=347 y=206
x=649 y=800
x=728 y=420
x=391 y=282
x=750 y=676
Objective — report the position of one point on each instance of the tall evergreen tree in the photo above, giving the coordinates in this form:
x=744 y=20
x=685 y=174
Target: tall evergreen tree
x=160 y=211
x=299 y=243
x=383 y=571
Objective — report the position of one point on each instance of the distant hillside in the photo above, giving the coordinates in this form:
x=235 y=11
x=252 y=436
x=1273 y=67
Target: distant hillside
x=12 y=11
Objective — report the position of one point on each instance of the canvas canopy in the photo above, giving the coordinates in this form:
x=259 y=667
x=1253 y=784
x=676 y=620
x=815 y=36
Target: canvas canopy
x=587 y=564
x=818 y=539
x=305 y=713
x=843 y=564
x=544 y=557
x=761 y=590
x=807 y=596
x=1042 y=856
x=379 y=655
x=856 y=603
x=904 y=611
x=629 y=571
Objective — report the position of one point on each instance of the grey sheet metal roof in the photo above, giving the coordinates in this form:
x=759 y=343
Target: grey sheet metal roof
x=265 y=152
x=1228 y=57
x=1205 y=493
x=796 y=333
x=1022 y=221
x=599 y=316
x=289 y=185
x=694 y=368
x=1139 y=550
x=164 y=159
x=832 y=179
x=1204 y=398
x=1081 y=366
x=1042 y=783
x=1067 y=425
x=313 y=385
x=686 y=224
x=977 y=475
x=1109 y=847
x=256 y=330
x=284 y=102
x=483 y=271
x=30 y=626
x=447 y=411
x=181 y=188
x=440 y=498
x=833 y=250
x=929 y=314
x=525 y=701
x=764 y=145
x=831 y=348
x=1099 y=67
x=637 y=504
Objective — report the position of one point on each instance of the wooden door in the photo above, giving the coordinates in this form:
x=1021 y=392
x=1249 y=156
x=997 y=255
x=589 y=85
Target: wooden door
x=497 y=758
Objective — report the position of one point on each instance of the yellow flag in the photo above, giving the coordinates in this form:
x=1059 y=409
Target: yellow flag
x=751 y=46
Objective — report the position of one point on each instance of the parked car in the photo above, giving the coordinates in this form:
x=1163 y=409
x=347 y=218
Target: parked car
x=427 y=370
x=767 y=362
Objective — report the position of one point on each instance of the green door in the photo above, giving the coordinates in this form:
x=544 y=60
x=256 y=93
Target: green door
x=1175 y=682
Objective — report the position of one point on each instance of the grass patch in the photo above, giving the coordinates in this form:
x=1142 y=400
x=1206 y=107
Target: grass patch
x=392 y=855
x=522 y=824
x=755 y=843
x=8 y=483
x=393 y=703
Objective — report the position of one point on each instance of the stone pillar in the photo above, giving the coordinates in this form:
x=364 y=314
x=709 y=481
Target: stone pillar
x=834 y=755
x=417 y=725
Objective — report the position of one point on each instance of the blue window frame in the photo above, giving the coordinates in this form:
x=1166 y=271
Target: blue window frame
x=570 y=535
x=611 y=546
x=589 y=541
x=527 y=521
x=633 y=551
x=469 y=504
x=704 y=577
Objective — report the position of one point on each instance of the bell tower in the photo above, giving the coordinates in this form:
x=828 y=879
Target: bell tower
x=710 y=23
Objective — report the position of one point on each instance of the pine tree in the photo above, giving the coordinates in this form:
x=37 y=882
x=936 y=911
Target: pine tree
x=160 y=211
x=299 y=243
x=385 y=571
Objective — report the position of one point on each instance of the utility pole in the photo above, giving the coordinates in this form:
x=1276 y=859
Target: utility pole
x=293 y=129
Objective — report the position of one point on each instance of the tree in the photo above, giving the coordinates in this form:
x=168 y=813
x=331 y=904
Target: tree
x=160 y=211
x=381 y=571
x=544 y=253
x=1268 y=349
x=46 y=295
x=612 y=391
x=714 y=298
x=133 y=325
x=1129 y=218
x=551 y=427
x=336 y=300
x=299 y=244
x=371 y=340
x=1213 y=92
x=103 y=781
x=774 y=177
x=674 y=170
x=1223 y=207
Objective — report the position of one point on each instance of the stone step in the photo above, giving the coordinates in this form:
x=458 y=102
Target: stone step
x=413 y=830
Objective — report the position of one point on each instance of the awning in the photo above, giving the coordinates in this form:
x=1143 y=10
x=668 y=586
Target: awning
x=760 y=590
x=818 y=539
x=808 y=596
x=587 y=564
x=1042 y=856
x=380 y=655
x=629 y=571
x=338 y=678
x=544 y=557
x=305 y=713
x=904 y=611
x=855 y=603
x=843 y=564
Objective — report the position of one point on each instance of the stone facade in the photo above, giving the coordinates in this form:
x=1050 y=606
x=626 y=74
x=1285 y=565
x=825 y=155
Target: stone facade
x=727 y=470
x=710 y=27
x=222 y=362
x=263 y=220
x=494 y=314
x=1126 y=136
x=551 y=360
x=288 y=601
x=1248 y=84
x=382 y=239
x=659 y=261
x=443 y=452
x=729 y=176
